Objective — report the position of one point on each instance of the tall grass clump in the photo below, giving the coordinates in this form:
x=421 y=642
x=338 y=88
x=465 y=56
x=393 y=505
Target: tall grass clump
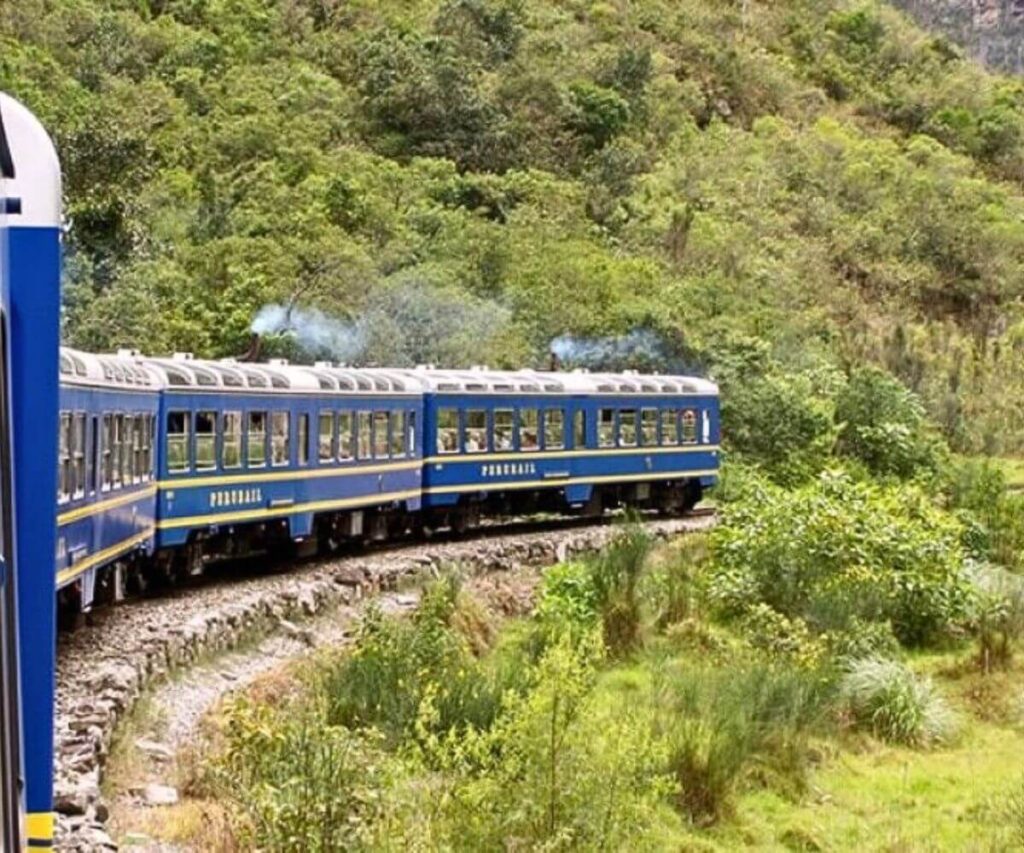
x=998 y=621
x=616 y=574
x=383 y=680
x=722 y=726
x=895 y=704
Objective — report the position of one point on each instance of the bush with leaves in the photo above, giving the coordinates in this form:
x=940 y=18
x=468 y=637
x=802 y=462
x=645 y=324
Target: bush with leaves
x=883 y=425
x=839 y=549
x=998 y=614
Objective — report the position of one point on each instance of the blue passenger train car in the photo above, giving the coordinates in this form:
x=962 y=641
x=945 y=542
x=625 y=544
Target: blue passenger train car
x=106 y=485
x=565 y=442
x=256 y=456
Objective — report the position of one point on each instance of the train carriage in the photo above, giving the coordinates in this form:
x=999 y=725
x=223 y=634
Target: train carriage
x=257 y=456
x=527 y=441
x=106 y=485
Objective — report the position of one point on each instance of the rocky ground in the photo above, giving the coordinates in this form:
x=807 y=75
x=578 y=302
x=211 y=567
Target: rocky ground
x=184 y=652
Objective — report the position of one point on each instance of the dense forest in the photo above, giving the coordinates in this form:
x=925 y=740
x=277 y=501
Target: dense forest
x=780 y=191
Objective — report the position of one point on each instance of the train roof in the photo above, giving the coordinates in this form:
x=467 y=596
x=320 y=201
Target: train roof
x=130 y=369
x=483 y=380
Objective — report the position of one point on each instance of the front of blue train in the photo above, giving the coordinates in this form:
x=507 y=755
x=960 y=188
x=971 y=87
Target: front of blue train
x=30 y=264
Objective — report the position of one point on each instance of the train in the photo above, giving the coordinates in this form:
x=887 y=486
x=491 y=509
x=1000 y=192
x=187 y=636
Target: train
x=120 y=472
x=167 y=464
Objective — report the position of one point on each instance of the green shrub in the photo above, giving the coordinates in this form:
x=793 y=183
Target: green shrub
x=556 y=771
x=295 y=782
x=883 y=425
x=672 y=588
x=895 y=704
x=838 y=550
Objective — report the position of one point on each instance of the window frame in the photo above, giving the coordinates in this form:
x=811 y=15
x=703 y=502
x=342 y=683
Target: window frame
x=181 y=438
x=326 y=428
x=649 y=420
x=229 y=439
x=500 y=414
x=213 y=417
x=398 y=434
x=668 y=418
x=346 y=435
x=477 y=431
x=381 y=444
x=364 y=435
x=64 y=457
x=446 y=430
x=521 y=426
x=77 y=449
x=579 y=429
x=277 y=440
x=250 y=461
x=622 y=419
x=554 y=416
x=609 y=439
x=684 y=439
x=303 y=439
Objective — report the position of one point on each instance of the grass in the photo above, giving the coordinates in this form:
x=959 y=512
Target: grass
x=1013 y=470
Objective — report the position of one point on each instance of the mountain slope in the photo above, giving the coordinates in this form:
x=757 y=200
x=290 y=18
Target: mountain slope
x=793 y=187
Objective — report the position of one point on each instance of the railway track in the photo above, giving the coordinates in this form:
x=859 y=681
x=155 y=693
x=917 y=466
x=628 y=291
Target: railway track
x=238 y=569
x=105 y=667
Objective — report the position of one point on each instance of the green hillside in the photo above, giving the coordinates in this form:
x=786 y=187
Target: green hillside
x=779 y=192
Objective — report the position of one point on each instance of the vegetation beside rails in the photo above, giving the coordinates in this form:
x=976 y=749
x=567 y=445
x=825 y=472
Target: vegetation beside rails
x=738 y=688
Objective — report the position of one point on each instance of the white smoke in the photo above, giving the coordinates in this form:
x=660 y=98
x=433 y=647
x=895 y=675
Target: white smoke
x=641 y=349
x=315 y=332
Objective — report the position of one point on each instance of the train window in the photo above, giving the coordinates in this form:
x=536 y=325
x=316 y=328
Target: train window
x=447 y=430
x=257 y=438
x=78 y=456
x=177 y=442
x=554 y=429
x=206 y=441
x=669 y=428
x=689 y=420
x=412 y=433
x=231 y=446
x=345 y=437
x=118 y=451
x=398 y=434
x=380 y=435
x=363 y=440
x=627 y=428
x=64 y=459
x=504 y=428
x=325 y=437
x=529 y=431
x=94 y=455
x=280 y=423
x=108 y=455
x=649 y=427
x=706 y=420
x=579 y=429
x=606 y=428
x=303 y=439
x=139 y=449
x=475 y=437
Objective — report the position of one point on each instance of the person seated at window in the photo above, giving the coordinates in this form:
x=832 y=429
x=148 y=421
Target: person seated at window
x=503 y=441
x=472 y=445
x=530 y=439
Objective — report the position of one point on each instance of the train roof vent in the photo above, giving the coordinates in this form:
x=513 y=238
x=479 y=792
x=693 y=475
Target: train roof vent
x=447 y=386
x=256 y=380
x=65 y=364
x=278 y=381
x=647 y=386
x=128 y=352
x=176 y=377
x=503 y=386
x=204 y=377
x=182 y=356
x=606 y=387
x=529 y=388
x=554 y=387
x=80 y=367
